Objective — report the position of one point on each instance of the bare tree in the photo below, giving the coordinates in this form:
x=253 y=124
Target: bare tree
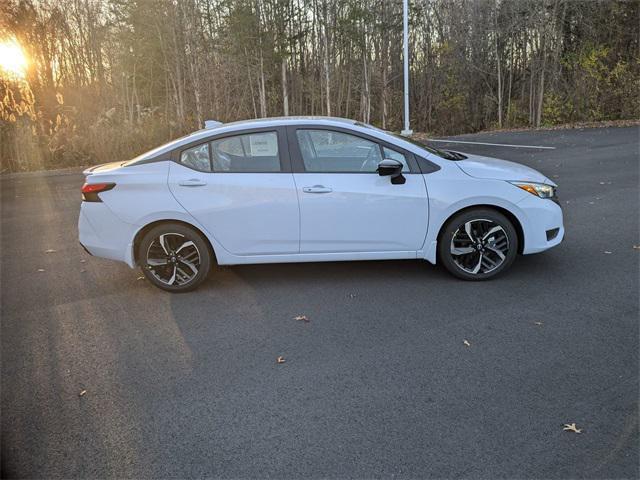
x=144 y=72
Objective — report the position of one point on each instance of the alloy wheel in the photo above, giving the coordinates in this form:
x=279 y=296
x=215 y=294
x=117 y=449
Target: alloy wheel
x=173 y=259
x=479 y=246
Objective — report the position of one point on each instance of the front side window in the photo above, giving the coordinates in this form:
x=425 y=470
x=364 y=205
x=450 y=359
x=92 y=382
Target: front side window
x=252 y=152
x=393 y=155
x=197 y=158
x=325 y=151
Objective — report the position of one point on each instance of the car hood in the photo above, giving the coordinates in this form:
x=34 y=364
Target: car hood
x=496 y=169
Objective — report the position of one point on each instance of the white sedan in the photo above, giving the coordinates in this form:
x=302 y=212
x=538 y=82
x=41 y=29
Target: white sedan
x=312 y=189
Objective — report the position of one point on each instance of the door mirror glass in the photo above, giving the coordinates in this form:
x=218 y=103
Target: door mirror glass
x=391 y=168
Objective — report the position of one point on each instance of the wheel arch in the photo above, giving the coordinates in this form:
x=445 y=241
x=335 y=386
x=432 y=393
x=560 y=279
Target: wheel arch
x=142 y=231
x=507 y=213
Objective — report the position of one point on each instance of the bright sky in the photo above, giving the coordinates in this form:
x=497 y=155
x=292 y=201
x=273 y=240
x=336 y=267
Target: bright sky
x=13 y=61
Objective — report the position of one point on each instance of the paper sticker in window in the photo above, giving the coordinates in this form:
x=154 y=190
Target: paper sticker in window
x=264 y=145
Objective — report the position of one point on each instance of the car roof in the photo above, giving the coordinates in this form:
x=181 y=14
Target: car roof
x=219 y=128
x=274 y=122
x=291 y=120
x=237 y=126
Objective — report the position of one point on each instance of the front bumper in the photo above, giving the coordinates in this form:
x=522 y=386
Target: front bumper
x=542 y=216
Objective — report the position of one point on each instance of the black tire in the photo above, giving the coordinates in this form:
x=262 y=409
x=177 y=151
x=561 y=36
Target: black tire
x=478 y=256
x=184 y=250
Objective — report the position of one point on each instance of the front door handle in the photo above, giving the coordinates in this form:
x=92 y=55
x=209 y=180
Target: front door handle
x=317 y=189
x=192 y=182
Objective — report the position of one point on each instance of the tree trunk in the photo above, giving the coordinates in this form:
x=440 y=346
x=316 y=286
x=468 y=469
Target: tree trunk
x=541 y=86
x=509 y=88
x=327 y=79
x=263 y=93
x=499 y=63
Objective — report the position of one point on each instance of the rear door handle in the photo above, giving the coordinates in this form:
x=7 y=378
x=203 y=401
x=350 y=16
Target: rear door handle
x=192 y=182
x=317 y=189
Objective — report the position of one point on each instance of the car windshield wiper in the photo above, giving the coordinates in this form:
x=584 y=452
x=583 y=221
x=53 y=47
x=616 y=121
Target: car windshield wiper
x=450 y=155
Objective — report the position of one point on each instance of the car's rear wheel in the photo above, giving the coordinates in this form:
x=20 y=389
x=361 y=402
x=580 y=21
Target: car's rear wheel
x=478 y=244
x=174 y=257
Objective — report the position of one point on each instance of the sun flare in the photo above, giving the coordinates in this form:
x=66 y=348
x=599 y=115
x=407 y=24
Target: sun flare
x=13 y=61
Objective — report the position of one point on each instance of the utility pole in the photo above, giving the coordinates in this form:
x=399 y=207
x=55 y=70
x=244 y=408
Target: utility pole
x=405 y=20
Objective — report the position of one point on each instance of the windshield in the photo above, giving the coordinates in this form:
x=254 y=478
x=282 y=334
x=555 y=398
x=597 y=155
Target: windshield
x=448 y=155
x=441 y=153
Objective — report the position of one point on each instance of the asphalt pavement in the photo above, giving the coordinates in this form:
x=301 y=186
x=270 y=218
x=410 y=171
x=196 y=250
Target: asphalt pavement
x=104 y=375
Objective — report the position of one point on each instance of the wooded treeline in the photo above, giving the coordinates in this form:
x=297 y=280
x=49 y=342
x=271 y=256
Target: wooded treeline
x=111 y=78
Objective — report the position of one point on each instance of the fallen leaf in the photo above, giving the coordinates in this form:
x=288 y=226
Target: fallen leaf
x=82 y=393
x=302 y=318
x=50 y=251
x=41 y=269
x=571 y=427
x=607 y=252
x=280 y=360
x=537 y=323
x=466 y=343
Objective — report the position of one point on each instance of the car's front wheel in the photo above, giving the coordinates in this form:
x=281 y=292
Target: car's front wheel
x=478 y=244
x=174 y=257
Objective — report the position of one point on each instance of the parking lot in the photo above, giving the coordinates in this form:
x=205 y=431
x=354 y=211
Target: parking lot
x=378 y=383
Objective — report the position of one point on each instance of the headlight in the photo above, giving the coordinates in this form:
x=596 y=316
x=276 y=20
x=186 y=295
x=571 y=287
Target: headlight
x=538 y=189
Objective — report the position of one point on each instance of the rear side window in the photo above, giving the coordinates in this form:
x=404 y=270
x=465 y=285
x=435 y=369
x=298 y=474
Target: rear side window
x=197 y=158
x=252 y=152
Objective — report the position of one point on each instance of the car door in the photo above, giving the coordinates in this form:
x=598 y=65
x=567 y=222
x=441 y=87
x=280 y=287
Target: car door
x=345 y=206
x=239 y=186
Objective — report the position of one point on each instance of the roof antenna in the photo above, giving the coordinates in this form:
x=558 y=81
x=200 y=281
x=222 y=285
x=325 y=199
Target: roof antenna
x=211 y=123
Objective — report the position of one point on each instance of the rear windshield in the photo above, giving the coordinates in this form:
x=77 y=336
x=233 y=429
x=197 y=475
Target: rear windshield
x=166 y=147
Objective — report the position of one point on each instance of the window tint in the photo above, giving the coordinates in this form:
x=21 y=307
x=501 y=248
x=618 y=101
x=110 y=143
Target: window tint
x=253 y=152
x=329 y=151
x=197 y=157
x=393 y=155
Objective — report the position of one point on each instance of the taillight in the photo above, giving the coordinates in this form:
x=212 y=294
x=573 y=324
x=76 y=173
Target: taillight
x=90 y=191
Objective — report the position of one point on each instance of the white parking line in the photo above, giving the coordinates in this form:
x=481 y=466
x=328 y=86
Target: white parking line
x=492 y=144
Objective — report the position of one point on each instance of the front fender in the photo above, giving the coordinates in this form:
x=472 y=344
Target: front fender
x=443 y=207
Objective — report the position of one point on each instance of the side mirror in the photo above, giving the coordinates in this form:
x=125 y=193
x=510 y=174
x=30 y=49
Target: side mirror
x=391 y=168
